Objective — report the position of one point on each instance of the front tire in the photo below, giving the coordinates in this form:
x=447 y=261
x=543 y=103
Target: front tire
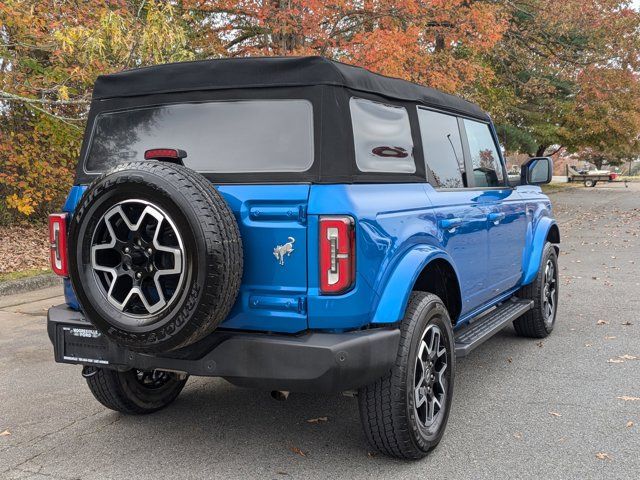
x=404 y=414
x=134 y=392
x=540 y=320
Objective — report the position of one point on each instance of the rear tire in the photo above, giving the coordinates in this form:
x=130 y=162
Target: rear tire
x=133 y=392
x=590 y=183
x=395 y=410
x=540 y=320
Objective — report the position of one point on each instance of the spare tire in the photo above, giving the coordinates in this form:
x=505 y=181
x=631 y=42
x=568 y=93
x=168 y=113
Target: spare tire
x=155 y=256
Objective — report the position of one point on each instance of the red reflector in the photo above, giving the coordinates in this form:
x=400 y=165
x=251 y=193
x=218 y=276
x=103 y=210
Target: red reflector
x=58 y=243
x=337 y=254
x=164 y=153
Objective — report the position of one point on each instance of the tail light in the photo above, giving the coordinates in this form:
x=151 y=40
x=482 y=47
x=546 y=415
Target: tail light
x=173 y=155
x=58 y=242
x=337 y=254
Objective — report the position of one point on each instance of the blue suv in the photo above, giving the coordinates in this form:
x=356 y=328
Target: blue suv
x=295 y=224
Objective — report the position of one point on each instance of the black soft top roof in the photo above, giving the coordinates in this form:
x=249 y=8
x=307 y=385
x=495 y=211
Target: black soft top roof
x=264 y=72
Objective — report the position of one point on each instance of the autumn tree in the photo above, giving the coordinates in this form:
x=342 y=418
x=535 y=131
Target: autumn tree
x=50 y=55
x=552 y=76
x=568 y=76
x=600 y=158
x=434 y=42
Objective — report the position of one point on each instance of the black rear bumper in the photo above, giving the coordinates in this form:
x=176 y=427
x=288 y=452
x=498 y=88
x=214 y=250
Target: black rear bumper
x=311 y=362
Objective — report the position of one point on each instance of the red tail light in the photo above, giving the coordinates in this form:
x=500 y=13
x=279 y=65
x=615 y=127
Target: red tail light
x=337 y=254
x=58 y=242
x=167 y=154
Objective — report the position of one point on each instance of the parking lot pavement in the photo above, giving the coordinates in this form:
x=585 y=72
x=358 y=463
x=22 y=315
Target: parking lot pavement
x=566 y=407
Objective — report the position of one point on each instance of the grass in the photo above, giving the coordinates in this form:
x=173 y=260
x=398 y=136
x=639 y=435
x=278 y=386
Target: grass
x=32 y=272
x=557 y=187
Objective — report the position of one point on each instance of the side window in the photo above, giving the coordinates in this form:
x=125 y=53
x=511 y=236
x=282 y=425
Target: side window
x=442 y=148
x=382 y=137
x=487 y=170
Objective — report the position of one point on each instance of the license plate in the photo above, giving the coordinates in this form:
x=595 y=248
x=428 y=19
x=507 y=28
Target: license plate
x=83 y=345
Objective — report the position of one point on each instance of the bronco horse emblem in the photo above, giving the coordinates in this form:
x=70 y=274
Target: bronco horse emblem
x=281 y=250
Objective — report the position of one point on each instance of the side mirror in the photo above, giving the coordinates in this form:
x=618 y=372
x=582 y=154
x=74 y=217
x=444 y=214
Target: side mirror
x=536 y=171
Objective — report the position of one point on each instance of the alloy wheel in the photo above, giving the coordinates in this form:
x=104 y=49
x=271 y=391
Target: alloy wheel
x=137 y=257
x=549 y=293
x=431 y=377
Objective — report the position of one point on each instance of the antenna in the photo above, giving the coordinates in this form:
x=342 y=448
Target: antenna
x=454 y=151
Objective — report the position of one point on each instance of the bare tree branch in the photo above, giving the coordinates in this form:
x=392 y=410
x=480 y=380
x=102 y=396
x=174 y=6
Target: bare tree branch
x=43 y=101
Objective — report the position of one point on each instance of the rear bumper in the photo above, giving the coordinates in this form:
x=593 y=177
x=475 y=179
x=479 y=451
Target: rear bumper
x=312 y=362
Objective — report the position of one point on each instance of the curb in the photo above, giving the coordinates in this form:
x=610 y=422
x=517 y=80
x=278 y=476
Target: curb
x=28 y=284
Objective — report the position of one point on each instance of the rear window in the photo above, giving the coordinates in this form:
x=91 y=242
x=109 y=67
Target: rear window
x=219 y=137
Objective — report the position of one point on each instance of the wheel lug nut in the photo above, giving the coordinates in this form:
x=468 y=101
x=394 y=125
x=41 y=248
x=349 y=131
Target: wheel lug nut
x=126 y=250
x=149 y=251
x=139 y=275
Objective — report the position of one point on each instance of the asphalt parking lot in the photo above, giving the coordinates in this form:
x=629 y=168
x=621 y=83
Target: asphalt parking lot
x=566 y=407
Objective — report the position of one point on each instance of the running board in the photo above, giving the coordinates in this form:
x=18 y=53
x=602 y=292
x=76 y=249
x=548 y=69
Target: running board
x=489 y=324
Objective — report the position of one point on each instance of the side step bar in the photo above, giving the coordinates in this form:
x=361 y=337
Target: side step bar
x=489 y=324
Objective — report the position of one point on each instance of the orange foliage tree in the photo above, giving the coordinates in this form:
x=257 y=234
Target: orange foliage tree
x=567 y=76
x=551 y=75
x=435 y=42
x=50 y=55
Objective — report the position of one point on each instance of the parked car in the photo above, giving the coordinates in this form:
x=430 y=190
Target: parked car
x=295 y=224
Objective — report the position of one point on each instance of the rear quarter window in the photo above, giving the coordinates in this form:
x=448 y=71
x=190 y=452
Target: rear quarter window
x=382 y=137
x=219 y=137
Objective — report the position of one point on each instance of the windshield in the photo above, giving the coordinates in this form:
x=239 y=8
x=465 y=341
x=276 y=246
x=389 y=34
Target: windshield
x=219 y=137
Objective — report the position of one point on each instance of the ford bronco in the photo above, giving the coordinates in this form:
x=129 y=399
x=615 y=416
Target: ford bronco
x=295 y=224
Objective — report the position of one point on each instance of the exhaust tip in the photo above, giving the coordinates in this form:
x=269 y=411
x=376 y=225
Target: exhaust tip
x=280 y=395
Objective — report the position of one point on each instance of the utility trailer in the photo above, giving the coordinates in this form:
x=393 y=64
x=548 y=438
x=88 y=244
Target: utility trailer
x=590 y=179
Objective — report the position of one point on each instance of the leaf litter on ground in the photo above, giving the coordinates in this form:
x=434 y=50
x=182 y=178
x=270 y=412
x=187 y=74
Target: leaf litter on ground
x=297 y=451
x=318 y=420
x=622 y=358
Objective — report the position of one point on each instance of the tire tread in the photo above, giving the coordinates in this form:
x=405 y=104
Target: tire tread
x=215 y=220
x=531 y=323
x=106 y=386
x=382 y=405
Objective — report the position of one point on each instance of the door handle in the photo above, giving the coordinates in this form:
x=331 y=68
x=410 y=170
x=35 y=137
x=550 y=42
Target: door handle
x=450 y=223
x=496 y=217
